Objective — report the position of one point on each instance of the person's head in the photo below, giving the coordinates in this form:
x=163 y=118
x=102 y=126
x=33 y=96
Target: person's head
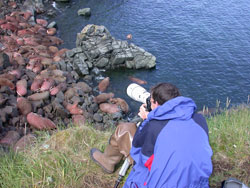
x=163 y=92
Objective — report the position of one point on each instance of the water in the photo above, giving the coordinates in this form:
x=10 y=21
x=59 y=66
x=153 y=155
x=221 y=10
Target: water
x=202 y=46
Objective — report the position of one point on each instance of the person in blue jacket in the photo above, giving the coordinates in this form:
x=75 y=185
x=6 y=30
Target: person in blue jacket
x=170 y=148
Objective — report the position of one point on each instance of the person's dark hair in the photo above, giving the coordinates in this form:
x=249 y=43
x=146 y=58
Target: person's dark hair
x=163 y=92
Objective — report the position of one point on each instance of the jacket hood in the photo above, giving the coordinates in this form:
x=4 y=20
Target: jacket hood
x=181 y=108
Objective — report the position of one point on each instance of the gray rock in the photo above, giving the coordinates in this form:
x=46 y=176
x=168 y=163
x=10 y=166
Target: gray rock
x=84 y=12
x=4 y=61
x=62 y=64
x=37 y=104
x=59 y=110
x=97 y=117
x=70 y=53
x=75 y=75
x=48 y=109
x=69 y=67
x=59 y=97
x=84 y=87
x=52 y=24
x=96 y=71
x=81 y=66
x=116 y=116
x=102 y=62
x=76 y=99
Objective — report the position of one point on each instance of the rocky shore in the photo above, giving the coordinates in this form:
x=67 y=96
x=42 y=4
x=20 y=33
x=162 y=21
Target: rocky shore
x=42 y=86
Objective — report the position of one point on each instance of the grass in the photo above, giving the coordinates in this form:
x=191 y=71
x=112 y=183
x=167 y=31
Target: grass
x=61 y=159
x=230 y=140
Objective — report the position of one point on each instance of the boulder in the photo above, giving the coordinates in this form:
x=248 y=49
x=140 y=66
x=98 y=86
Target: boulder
x=84 y=12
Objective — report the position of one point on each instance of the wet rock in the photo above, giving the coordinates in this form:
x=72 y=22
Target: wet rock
x=24 y=142
x=84 y=12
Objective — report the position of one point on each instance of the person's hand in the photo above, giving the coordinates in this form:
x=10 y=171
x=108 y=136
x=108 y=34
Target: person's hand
x=143 y=113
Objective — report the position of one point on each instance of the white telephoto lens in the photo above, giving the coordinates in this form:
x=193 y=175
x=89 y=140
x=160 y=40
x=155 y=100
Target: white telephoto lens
x=138 y=93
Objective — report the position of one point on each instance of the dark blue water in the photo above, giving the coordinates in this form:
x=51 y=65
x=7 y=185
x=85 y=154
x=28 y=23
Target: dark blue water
x=202 y=46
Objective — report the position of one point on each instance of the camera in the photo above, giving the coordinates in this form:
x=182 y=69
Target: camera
x=140 y=94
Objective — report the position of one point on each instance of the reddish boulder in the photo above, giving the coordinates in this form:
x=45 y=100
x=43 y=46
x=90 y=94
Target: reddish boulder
x=102 y=86
x=40 y=122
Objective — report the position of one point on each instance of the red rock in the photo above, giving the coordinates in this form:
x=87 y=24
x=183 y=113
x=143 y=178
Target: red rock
x=36 y=84
x=122 y=103
x=37 y=67
x=46 y=61
x=42 y=22
x=53 y=49
x=79 y=119
x=7 y=76
x=10 y=138
x=6 y=82
x=103 y=97
x=25 y=32
x=10 y=19
x=27 y=15
x=2 y=21
x=20 y=41
x=102 y=86
x=74 y=109
x=39 y=96
x=25 y=142
x=24 y=25
x=57 y=58
x=47 y=84
x=9 y=26
x=61 y=52
x=31 y=41
x=55 y=40
x=109 y=108
x=21 y=87
x=59 y=87
x=24 y=105
x=51 y=31
x=17 y=73
x=18 y=58
x=40 y=122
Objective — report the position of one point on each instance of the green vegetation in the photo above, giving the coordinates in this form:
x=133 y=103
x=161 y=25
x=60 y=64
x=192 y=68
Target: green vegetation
x=230 y=139
x=62 y=159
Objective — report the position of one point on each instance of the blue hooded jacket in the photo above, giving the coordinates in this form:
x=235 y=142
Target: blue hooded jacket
x=170 y=149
